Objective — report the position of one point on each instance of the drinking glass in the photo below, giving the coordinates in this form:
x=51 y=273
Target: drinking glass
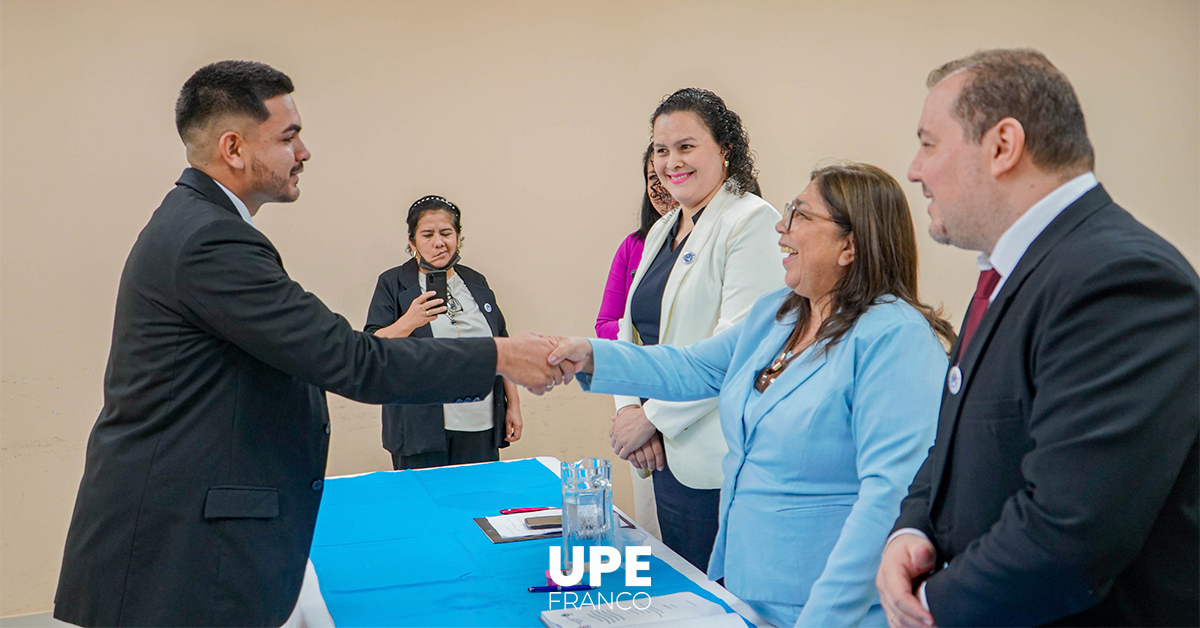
x=586 y=506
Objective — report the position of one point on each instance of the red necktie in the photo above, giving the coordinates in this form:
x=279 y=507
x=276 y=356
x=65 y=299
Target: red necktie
x=979 y=303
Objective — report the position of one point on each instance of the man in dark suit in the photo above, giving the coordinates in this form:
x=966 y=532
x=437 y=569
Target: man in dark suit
x=205 y=469
x=1063 y=484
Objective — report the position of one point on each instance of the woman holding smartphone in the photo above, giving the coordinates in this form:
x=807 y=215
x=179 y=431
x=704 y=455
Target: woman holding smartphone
x=703 y=265
x=404 y=305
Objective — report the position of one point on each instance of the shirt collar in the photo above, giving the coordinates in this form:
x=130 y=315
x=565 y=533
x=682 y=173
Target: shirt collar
x=1013 y=243
x=237 y=202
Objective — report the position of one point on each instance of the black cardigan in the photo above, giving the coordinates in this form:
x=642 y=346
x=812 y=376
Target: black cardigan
x=416 y=429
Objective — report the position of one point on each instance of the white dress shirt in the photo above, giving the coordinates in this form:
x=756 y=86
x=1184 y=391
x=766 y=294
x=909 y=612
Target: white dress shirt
x=1013 y=243
x=237 y=202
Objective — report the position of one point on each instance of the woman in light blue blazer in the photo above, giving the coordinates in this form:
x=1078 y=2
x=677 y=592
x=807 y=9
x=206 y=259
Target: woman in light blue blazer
x=829 y=394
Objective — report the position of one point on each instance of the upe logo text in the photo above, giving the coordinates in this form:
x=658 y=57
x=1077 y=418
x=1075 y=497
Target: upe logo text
x=601 y=560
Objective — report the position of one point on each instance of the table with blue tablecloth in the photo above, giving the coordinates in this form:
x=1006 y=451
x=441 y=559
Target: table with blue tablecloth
x=400 y=548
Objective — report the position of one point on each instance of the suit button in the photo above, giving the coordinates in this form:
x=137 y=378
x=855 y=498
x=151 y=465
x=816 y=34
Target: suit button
x=326 y=428
x=317 y=485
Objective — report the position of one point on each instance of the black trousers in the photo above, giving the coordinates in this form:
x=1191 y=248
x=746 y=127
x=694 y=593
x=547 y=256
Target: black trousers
x=688 y=517
x=464 y=448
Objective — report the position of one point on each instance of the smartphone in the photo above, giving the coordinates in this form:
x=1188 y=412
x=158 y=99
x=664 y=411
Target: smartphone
x=542 y=523
x=436 y=280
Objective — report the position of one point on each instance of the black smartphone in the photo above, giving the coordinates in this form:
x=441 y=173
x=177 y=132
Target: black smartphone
x=436 y=280
x=542 y=523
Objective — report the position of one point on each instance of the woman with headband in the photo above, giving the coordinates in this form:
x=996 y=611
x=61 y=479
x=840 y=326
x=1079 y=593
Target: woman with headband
x=431 y=435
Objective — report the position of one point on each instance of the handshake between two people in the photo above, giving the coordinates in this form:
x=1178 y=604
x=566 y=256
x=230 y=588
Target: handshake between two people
x=540 y=362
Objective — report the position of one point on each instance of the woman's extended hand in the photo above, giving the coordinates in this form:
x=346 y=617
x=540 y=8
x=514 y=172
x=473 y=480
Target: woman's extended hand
x=423 y=309
x=575 y=353
x=630 y=431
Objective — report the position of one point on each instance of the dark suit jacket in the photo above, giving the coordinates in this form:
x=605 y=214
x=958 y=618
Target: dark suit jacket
x=205 y=468
x=1063 y=483
x=416 y=429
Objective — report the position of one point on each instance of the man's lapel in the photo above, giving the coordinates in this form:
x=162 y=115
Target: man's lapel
x=951 y=410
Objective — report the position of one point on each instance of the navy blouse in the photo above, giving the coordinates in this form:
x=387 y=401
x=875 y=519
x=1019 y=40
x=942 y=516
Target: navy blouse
x=645 y=309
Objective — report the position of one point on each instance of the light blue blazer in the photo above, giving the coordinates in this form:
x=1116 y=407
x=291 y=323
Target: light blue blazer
x=818 y=464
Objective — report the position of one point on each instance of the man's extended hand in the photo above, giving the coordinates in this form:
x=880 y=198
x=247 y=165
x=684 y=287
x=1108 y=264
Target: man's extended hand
x=905 y=559
x=524 y=359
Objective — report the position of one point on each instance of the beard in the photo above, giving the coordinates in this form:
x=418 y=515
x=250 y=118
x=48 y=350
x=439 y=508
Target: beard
x=278 y=189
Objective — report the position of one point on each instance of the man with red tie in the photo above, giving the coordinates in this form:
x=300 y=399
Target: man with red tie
x=1064 y=481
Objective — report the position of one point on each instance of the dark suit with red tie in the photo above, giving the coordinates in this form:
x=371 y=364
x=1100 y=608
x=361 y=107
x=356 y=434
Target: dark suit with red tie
x=1063 y=485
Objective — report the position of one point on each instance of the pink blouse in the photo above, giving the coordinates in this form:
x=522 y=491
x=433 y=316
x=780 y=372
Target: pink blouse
x=620 y=277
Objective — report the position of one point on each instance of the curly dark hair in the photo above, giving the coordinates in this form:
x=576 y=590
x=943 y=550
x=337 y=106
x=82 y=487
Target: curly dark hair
x=228 y=87
x=649 y=215
x=726 y=128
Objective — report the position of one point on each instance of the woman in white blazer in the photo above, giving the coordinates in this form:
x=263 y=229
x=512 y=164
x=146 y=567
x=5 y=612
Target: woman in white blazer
x=829 y=393
x=702 y=267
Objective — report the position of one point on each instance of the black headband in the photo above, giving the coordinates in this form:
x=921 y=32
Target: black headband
x=425 y=199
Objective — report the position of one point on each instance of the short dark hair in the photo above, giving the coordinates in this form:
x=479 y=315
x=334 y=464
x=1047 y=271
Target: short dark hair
x=1022 y=84
x=726 y=128
x=868 y=205
x=228 y=87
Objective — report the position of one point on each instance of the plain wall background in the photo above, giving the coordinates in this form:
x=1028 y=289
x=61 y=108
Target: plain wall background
x=532 y=117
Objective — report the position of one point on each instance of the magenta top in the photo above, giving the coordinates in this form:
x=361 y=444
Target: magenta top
x=620 y=277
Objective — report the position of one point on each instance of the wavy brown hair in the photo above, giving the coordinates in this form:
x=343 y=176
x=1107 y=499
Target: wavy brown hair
x=867 y=204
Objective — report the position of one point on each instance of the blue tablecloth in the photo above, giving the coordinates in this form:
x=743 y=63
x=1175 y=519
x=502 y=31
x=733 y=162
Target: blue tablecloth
x=401 y=549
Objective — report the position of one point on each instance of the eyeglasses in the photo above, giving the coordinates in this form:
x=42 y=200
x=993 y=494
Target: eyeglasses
x=791 y=210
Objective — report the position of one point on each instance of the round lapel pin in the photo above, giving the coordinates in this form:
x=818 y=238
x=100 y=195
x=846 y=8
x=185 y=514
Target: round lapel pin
x=689 y=257
x=954 y=380
x=487 y=307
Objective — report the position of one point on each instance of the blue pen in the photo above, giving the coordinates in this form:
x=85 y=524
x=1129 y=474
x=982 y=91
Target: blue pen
x=555 y=589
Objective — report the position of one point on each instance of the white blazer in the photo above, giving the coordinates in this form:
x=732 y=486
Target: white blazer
x=731 y=258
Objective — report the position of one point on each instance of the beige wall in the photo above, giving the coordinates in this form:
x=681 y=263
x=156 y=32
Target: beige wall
x=532 y=117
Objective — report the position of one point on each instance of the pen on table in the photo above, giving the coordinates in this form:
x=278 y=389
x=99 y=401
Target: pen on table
x=513 y=511
x=554 y=589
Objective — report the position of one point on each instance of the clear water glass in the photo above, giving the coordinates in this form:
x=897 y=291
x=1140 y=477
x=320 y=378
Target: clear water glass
x=586 y=506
